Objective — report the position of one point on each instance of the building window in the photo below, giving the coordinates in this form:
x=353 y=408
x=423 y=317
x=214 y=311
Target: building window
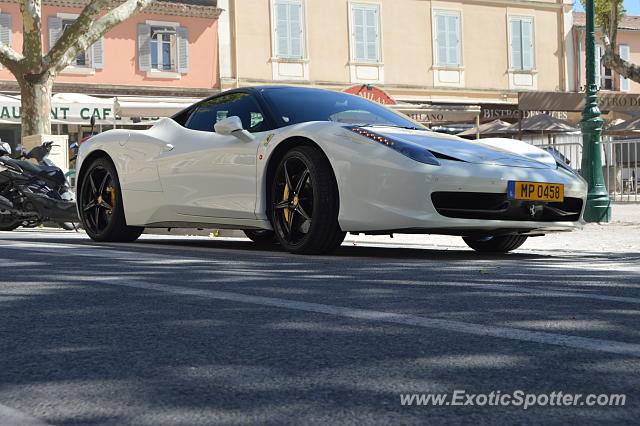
x=447 y=34
x=604 y=75
x=366 y=33
x=86 y=62
x=83 y=59
x=5 y=29
x=289 y=33
x=522 y=45
x=163 y=49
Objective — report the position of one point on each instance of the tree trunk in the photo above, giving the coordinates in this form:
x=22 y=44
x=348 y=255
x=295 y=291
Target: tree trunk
x=36 y=107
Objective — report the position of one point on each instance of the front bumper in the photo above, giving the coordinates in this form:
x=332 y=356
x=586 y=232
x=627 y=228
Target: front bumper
x=397 y=196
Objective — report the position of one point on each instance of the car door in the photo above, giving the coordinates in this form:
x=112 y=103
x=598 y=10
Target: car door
x=204 y=173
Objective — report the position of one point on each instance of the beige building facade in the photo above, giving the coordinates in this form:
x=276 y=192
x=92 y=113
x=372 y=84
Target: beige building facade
x=465 y=51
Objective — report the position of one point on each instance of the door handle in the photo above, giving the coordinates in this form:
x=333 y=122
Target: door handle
x=167 y=147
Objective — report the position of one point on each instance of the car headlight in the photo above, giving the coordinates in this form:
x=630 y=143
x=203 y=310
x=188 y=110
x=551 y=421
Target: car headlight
x=408 y=149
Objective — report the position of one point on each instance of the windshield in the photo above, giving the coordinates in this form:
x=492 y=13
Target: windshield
x=293 y=106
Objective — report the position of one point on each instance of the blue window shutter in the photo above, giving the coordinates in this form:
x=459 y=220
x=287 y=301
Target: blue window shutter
x=55 y=30
x=144 y=47
x=624 y=54
x=295 y=30
x=516 y=44
x=359 y=36
x=453 y=40
x=5 y=29
x=97 y=54
x=527 y=44
x=282 y=30
x=441 y=40
x=183 y=49
x=371 y=34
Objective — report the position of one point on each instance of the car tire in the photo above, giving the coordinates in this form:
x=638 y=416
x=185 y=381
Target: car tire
x=261 y=236
x=100 y=204
x=304 y=203
x=499 y=244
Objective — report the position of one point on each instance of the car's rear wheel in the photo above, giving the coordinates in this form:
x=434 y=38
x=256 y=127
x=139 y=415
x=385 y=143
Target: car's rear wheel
x=100 y=204
x=261 y=236
x=305 y=202
x=498 y=244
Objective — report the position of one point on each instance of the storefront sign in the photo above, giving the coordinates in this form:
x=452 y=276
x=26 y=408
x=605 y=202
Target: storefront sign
x=512 y=113
x=372 y=93
x=559 y=101
x=71 y=113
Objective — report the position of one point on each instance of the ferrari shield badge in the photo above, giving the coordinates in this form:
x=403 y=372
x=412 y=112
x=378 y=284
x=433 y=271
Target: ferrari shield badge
x=266 y=141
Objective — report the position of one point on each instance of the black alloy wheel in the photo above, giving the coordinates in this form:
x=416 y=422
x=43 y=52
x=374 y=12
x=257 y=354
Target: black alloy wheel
x=305 y=203
x=100 y=204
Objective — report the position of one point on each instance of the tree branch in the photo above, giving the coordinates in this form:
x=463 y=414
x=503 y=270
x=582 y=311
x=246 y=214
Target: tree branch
x=10 y=58
x=611 y=59
x=71 y=34
x=32 y=32
x=86 y=31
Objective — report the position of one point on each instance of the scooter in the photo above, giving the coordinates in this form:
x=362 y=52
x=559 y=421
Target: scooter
x=31 y=194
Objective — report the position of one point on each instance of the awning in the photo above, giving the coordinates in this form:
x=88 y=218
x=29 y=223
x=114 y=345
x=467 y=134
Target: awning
x=150 y=107
x=495 y=127
x=630 y=126
x=75 y=108
x=543 y=123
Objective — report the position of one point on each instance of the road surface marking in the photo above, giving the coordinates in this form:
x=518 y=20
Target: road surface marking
x=12 y=417
x=609 y=346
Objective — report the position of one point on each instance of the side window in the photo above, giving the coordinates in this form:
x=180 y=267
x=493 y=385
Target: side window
x=241 y=105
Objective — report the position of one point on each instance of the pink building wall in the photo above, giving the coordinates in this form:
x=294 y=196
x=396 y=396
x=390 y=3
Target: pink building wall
x=631 y=39
x=120 y=51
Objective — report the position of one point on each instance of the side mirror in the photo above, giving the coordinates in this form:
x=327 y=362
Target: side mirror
x=73 y=145
x=232 y=126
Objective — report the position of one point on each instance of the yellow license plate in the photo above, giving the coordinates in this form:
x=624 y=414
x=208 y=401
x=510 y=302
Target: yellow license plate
x=535 y=191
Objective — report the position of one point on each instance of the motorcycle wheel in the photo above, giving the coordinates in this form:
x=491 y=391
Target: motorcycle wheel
x=68 y=226
x=7 y=223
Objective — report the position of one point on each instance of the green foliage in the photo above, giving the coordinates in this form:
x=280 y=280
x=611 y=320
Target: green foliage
x=603 y=11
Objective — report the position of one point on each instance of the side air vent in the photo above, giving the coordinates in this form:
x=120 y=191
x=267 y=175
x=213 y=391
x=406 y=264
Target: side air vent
x=445 y=157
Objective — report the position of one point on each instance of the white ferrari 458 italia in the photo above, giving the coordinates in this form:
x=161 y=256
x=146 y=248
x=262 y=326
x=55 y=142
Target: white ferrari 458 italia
x=301 y=167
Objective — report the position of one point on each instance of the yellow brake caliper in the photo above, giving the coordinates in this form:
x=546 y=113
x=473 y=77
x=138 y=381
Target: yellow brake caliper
x=112 y=192
x=284 y=198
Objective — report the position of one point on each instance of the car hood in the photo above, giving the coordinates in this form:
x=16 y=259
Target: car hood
x=495 y=151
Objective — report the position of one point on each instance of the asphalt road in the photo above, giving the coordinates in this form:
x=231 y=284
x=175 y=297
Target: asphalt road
x=200 y=331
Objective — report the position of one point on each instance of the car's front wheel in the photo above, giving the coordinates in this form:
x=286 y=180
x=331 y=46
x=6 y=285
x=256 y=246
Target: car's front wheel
x=305 y=202
x=499 y=244
x=100 y=204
